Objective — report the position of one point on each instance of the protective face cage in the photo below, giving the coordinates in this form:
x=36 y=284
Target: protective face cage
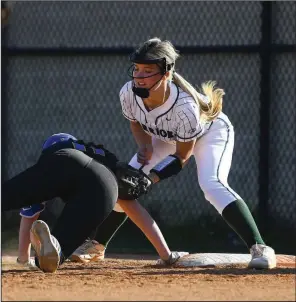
x=136 y=58
x=139 y=59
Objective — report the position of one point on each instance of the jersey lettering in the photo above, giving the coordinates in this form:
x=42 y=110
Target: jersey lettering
x=161 y=132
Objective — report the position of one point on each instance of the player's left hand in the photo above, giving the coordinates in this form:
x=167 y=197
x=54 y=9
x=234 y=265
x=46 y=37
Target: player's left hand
x=132 y=183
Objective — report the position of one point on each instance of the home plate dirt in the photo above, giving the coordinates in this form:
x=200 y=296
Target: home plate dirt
x=139 y=279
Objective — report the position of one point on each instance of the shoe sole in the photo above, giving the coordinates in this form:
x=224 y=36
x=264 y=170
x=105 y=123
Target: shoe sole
x=49 y=257
x=80 y=259
x=262 y=266
x=76 y=258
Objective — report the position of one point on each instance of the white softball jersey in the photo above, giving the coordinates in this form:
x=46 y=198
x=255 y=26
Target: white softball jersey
x=178 y=119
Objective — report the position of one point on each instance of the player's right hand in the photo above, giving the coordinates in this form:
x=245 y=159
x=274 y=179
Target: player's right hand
x=144 y=154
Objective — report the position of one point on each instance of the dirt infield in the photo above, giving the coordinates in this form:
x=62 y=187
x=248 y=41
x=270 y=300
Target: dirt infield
x=137 y=280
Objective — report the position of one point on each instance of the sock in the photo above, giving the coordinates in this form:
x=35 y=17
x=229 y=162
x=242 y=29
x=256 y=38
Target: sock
x=109 y=227
x=37 y=262
x=240 y=219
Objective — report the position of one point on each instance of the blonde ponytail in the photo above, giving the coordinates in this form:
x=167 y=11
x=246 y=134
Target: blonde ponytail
x=210 y=101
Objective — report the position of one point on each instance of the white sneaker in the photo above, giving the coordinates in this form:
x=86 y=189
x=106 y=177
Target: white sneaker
x=263 y=256
x=46 y=246
x=174 y=257
x=89 y=251
x=30 y=264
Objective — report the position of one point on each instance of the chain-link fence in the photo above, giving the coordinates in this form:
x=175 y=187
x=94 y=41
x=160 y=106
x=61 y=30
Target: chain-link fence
x=65 y=62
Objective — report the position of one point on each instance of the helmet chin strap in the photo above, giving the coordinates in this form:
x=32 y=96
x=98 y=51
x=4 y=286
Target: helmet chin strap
x=144 y=92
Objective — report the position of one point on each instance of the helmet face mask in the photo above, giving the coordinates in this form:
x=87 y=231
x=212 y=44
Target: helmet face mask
x=131 y=72
x=136 y=58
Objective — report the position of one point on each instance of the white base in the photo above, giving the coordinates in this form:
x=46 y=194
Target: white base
x=212 y=259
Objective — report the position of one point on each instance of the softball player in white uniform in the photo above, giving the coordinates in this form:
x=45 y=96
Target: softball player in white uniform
x=177 y=120
x=171 y=121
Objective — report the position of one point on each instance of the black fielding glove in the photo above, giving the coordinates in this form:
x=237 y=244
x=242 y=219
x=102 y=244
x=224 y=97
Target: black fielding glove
x=132 y=183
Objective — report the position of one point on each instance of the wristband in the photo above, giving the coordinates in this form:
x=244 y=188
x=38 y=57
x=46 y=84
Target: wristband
x=168 y=167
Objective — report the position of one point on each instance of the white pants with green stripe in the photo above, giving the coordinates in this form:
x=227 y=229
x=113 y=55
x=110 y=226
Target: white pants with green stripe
x=213 y=156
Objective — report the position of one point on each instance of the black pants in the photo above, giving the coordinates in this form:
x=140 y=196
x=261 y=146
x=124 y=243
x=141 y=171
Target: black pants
x=88 y=188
